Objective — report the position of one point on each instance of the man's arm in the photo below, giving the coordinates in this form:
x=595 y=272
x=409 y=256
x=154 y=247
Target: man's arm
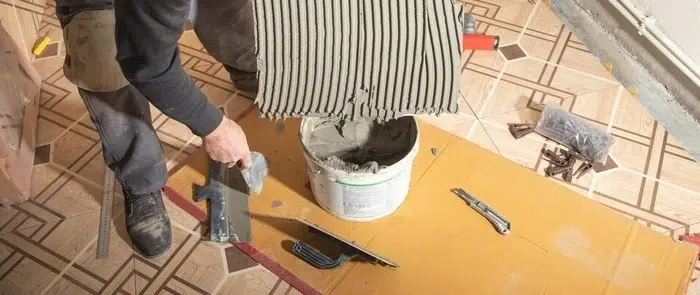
x=147 y=33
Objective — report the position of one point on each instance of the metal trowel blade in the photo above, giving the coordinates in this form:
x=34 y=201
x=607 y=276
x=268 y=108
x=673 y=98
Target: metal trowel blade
x=236 y=197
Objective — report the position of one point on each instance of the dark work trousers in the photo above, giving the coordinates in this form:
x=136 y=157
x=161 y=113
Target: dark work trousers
x=129 y=143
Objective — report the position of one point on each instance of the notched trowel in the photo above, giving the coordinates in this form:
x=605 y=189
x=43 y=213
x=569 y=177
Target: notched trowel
x=227 y=191
x=348 y=251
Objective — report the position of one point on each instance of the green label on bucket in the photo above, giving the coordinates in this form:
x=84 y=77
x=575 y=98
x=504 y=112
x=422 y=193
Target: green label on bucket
x=364 y=201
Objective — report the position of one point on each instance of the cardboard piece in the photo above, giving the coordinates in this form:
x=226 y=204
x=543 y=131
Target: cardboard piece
x=367 y=58
x=19 y=109
x=561 y=242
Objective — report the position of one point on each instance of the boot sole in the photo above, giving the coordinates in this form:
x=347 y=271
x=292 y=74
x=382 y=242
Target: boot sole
x=157 y=255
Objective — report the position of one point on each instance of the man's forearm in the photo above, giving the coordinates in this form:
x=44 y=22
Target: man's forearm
x=147 y=33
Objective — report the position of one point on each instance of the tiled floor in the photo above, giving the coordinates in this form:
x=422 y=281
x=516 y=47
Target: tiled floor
x=47 y=245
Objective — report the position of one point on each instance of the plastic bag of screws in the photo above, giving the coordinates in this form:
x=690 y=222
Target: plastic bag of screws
x=575 y=133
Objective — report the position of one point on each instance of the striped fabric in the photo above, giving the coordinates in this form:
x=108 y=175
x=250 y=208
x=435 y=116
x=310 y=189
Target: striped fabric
x=357 y=58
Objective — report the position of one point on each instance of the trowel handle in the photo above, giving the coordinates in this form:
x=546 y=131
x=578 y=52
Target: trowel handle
x=316 y=258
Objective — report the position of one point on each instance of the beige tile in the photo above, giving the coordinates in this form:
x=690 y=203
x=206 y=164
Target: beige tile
x=619 y=200
x=694 y=287
x=257 y=281
x=8 y=19
x=541 y=48
x=94 y=168
x=74 y=198
x=514 y=13
x=677 y=204
x=475 y=86
x=586 y=62
x=483 y=139
x=631 y=154
x=64 y=286
x=73 y=234
x=673 y=146
x=179 y=216
x=455 y=124
x=42 y=176
x=72 y=147
x=177 y=133
x=578 y=83
x=622 y=186
x=218 y=96
x=120 y=251
x=596 y=105
x=489 y=62
x=507 y=97
x=524 y=151
x=48 y=66
x=29 y=20
x=28 y=277
x=180 y=286
x=632 y=117
x=204 y=268
x=680 y=171
x=544 y=20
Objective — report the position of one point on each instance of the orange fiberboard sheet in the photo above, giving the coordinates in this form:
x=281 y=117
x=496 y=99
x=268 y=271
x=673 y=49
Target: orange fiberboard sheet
x=561 y=242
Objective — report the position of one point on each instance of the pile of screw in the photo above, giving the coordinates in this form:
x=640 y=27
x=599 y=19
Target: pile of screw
x=563 y=163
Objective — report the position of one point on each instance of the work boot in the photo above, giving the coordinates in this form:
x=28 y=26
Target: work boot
x=147 y=223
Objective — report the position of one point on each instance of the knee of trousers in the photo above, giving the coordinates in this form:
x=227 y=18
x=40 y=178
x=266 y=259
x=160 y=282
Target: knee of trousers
x=91 y=52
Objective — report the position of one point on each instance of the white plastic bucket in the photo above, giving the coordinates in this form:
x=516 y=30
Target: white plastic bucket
x=359 y=196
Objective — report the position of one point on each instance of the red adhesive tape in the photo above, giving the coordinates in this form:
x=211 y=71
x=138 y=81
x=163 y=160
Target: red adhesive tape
x=480 y=42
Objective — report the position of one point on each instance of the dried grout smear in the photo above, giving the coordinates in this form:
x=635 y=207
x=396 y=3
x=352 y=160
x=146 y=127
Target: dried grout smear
x=358 y=58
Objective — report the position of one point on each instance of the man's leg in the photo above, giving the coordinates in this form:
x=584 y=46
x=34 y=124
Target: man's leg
x=122 y=117
x=227 y=31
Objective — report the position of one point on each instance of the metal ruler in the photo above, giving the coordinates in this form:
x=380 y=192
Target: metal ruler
x=105 y=228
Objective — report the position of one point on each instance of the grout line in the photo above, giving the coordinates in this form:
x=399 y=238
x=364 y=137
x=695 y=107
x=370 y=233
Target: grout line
x=245 y=270
x=492 y=141
x=184 y=228
x=28 y=51
x=224 y=260
x=472 y=130
x=76 y=175
x=592 y=186
x=225 y=276
x=219 y=285
x=687 y=190
x=70 y=264
x=527 y=23
x=70 y=127
x=615 y=110
x=573 y=70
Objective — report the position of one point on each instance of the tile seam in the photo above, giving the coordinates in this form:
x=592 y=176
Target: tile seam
x=616 y=109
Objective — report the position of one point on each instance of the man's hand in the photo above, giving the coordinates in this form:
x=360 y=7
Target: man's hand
x=228 y=144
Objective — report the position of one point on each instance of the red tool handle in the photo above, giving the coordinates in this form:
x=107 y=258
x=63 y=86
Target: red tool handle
x=480 y=42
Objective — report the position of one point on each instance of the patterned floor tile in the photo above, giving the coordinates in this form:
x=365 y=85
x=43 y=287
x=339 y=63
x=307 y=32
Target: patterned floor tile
x=40 y=238
x=203 y=269
x=456 y=124
x=256 y=281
